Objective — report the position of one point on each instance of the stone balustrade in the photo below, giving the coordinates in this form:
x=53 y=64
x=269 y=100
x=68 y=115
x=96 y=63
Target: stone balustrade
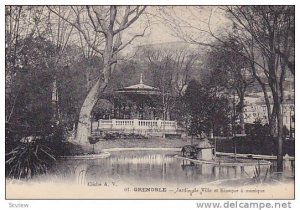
x=134 y=124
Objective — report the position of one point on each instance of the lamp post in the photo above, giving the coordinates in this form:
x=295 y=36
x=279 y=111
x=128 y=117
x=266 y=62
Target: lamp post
x=233 y=126
x=291 y=123
x=164 y=114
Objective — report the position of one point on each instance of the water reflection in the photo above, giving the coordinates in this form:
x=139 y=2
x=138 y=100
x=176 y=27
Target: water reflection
x=146 y=168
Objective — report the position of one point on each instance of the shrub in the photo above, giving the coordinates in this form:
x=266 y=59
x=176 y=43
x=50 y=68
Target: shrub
x=255 y=145
x=28 y=159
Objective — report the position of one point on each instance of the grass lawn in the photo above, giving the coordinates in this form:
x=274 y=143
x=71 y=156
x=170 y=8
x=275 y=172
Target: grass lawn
x=153 y=142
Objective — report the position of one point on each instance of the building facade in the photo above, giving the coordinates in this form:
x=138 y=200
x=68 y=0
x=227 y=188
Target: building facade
x=256 y=110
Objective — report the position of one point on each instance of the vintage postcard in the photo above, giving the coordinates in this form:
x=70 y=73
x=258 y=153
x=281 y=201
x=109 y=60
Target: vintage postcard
x=150 y=102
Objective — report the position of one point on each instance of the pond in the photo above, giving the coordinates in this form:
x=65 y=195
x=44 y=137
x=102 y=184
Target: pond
x=144 y=168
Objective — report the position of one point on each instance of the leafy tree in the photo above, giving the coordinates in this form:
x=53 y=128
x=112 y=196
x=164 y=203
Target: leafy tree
x=32 y=104
x=230 y=72
x=72 y=83
x=207 y=110
x=30 y=120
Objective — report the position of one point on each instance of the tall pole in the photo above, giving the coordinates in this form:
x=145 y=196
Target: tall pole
x=291 y=127
x=233 y=129
x=164 y=106
x=215 y=145
x=164 y=113
x=291 y=121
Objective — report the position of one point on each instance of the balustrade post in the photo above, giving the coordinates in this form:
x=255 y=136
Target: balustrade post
x=159 y=124
x=287 y=164
x=113 y=123
x=135 y=124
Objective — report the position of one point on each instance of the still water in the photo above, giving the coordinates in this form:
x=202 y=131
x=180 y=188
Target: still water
x=144 y=168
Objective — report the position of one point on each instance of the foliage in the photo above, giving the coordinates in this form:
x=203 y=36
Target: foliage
x=286 y=131
x=229 y=69
x=255 y=145
x=74 y=81
x=28 y=159
x=230 y=73
x=29 y=101
x=257 y=130
x=102 y=109
x=207 y=110
x=127 y=73
x=30 y=153
x=30 y=111
x=269 y=45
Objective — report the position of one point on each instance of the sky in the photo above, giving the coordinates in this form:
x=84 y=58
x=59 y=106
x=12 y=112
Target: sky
x=186 y=16
x=165 y=21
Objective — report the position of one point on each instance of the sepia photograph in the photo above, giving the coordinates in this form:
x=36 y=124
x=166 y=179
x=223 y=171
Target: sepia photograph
x=149 y=102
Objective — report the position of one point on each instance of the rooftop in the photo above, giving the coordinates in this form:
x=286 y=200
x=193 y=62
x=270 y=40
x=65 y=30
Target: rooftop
x=140 y=88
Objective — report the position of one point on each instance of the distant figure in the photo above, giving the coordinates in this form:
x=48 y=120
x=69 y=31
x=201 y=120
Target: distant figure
x=203 y=135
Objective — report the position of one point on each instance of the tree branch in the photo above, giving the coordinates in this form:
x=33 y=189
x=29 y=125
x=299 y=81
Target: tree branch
x=126 y=22
x=78 y=27
x=130 y=41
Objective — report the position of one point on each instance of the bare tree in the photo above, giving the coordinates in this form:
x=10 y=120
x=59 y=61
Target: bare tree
x=107 y=22
x=171 y=70
x=185 y=62
x=270 y=30
x=12 y=35
x=267 y=35
x=232 y=72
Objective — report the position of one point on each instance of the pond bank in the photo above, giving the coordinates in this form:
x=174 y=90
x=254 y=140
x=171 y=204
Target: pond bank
x=86 y=156
x=151 y=143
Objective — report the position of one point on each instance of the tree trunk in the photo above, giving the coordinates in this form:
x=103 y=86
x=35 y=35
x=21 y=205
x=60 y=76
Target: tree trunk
x=271 y=115
x=273 y=123
x=84 y=122
x=241 y=114
x=280 y=140
x=242 y=123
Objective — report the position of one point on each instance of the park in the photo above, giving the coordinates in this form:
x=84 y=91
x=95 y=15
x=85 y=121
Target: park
x=149 y=96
